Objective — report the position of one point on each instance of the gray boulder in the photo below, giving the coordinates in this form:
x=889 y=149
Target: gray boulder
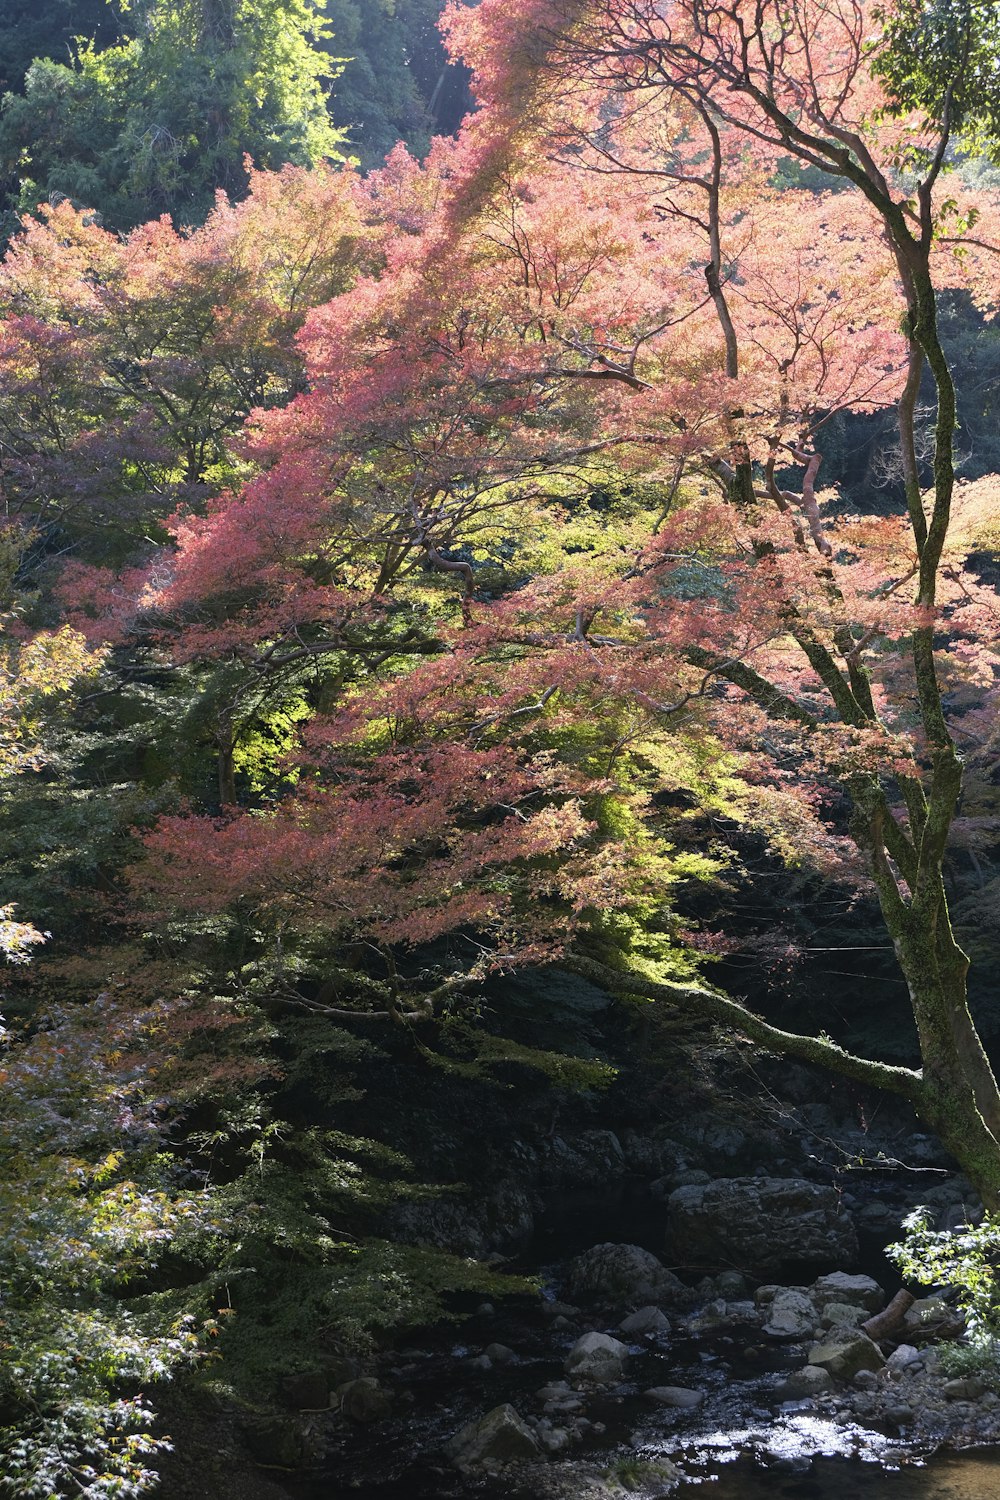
x=652 y=1156
x=842 y=1315
x=845 y=1352
x=646 y=1320
x=791 y=1314
x=596 y=1358
x=363 y=1400
x=857 y=1291
x=813 y=1380
x=498 y=1438
x=622 y=1273
x=502 y=1222
x=759 y=1223
x=593 y=1156
x=678 y=1396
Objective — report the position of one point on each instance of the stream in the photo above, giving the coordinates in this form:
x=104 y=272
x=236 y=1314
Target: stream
x=741 y=1443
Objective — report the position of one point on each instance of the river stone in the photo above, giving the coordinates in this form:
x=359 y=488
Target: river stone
x=931 y=1318
x=858 y=1291
x=845 y=1351
x=551 y=1310
x=555 y=1390
x=646 y=1320
x=903 y=1358
x=499 y=1354
x=759 y=1223
x=968 y=1389
x=622 y=1273
x=596 y=1358
x=674 y=1395
x=501 y=1437
x=842 y=1315
x=791 y=1314
x=363 y=1400
x=812 y=1380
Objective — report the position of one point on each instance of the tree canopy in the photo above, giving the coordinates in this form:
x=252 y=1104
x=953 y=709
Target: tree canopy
x=421 y=577
x=161 y=121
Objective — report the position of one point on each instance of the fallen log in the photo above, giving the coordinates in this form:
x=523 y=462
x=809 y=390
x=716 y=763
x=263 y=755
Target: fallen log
x=884 y=1323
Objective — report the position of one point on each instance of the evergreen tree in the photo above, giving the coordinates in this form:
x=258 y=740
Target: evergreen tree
x=46 y=28
x=158 y=123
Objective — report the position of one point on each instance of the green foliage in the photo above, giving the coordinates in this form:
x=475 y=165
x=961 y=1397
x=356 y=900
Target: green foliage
x=965 y=1260
x=159 y=122
x=939 y=57
x=46 y=28
x=88 y=1202
x=378 y=100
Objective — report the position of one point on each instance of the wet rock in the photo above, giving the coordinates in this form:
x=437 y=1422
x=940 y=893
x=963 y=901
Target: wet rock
x=554 y=1439
x=555 y=1390
x=586 y=1480
x=846 y=1351
x=865 y=1380
x=564 y=1325
x=718 y=1143
x=811 y=1380
x=646 y=1320
x=678 y=1396
x=564 y=1408
x=364 y=1400
x=623 y=1273
x=791 y=1314
x=712 y=1316
x=856 y=1291
x=502 y=1222
x=592 y=1156
x=742 y=1312
x=596 y=1358
x=732 y=1285
x=552 y=1310
x=652 y=1156
x=760 y=1222
x=692 y=1177
x=501 y=1437
x=478 y=1362
x=499 y=1354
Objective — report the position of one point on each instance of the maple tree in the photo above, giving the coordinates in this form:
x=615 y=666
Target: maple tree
x=688 y=331
x=455 y=550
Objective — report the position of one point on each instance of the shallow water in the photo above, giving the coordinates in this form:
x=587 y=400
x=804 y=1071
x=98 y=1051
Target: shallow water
x=740 y=1444
x=953 y=1476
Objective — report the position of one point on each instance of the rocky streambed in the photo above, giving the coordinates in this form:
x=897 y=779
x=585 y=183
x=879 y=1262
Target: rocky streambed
x=713 y=1338
x=622 y=1379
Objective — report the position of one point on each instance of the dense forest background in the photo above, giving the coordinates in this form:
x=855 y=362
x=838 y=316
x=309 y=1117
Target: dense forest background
x=253 y=1092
